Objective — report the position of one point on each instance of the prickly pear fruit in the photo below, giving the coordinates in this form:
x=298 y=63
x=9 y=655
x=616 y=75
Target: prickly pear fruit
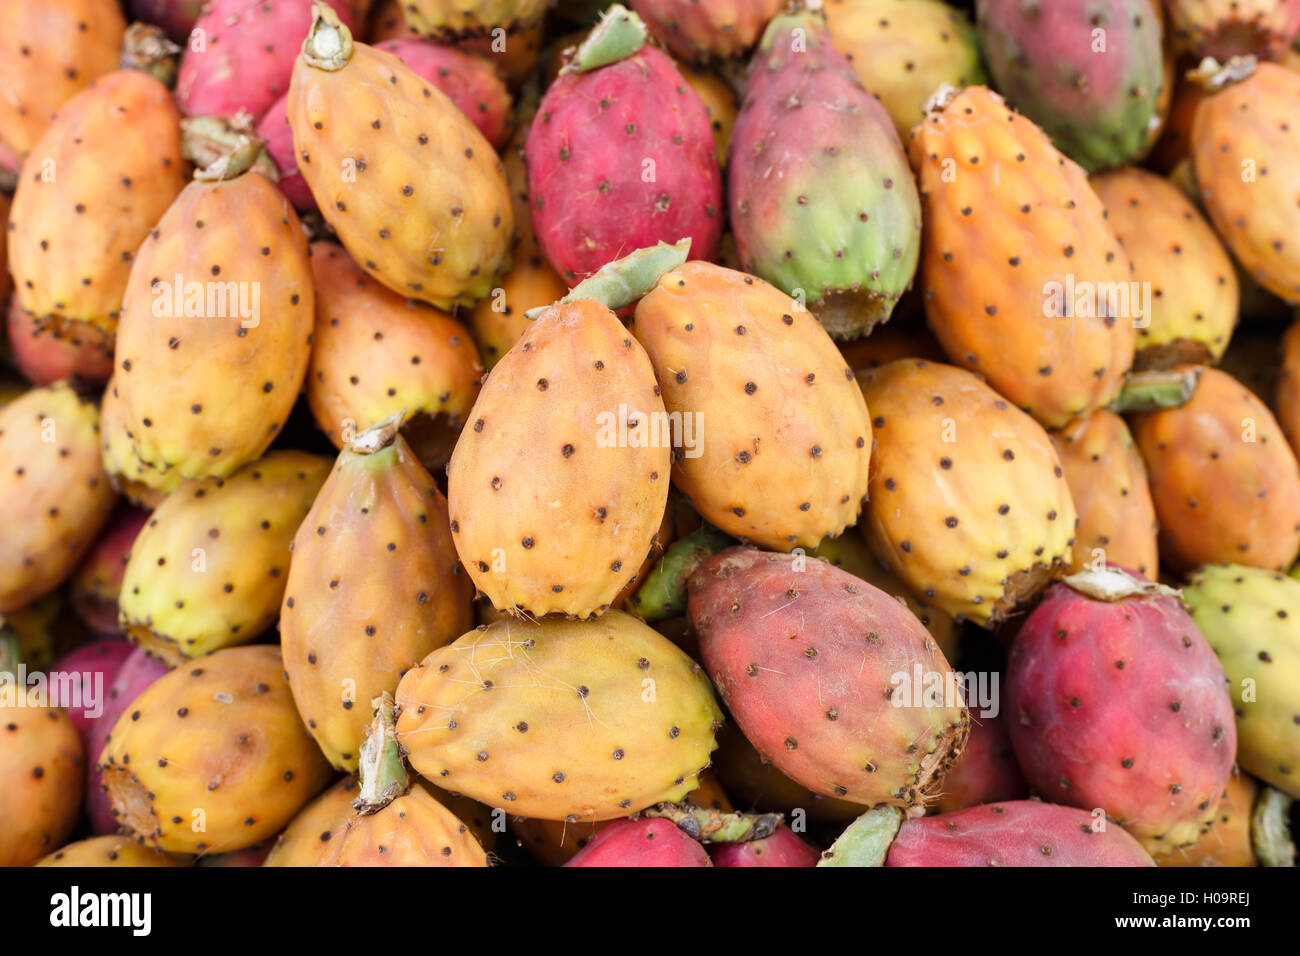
x=410 y=185
x=809 y=660
x=45 y=352
x=624 y=720
x=641 y=842
x=353 y=381
x=1224 y=480
x=108 y=851
x=1231 y=842
x=1248 y=616
x=83 y=678
x=1226 y=28
x=176 y=17
x=986 y=772
x=499 y=321
x=781 y=446
x=210 y=567
x=904 y=50
x=302 y=841
x=975 y=526
x=125 y=471
x=54 y=494
x=823 y=205
x=217 y=742
x=274 y=130
x=1024 y=280
x=413 y=830
x=1248 y=169
x=1194 y=291
x=97 y=582
x=469 y=81
x=1108 y=482
x=782 y=848
x=699 y=32
x=41 y=765
x=48 y=53
x=349 y=631
x=450 y=20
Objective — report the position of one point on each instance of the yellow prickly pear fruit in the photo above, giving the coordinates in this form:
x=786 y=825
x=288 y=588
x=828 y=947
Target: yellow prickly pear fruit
x=125 y=470
x=109 y=851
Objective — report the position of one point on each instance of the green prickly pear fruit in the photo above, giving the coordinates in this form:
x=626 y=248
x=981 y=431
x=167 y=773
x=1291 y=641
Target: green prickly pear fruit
x=210 y=567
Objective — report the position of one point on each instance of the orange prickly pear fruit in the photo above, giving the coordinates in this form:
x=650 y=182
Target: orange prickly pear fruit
x=42 y=767
x=969 y=503
x=414 y=191
x=108 y=851
x=499 y=321
x=1225 y=28
x=303 y=840
x=1108 y=481
x=349 y=632
x=125 y=470
x=209 y=568
x=1225 y=482
x=54 y=494
x=1024 y=281
x=1228 y=842
x=1286 y=396
x=375 y=353
x=212 y=756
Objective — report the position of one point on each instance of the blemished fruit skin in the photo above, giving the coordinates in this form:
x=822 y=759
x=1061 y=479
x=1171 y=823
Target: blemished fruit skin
x=84 y=676
x=1248 y=615
x=413 y=830
x=1089 y=73
x=1194 y=289
x=1121 y=705
x=1228 y=843
x=1108 y=483
x=643 y=842
x=54 y=495
x=1286 y=395
x=374 y=586
x=823 y=205
x=1246 y=154
x=468 y=80
x=809 y=663
x=45 y=352
x=973 y=526
x=176 y=17
x=41 y=764
x=904 y=50
x=451 y=20
x=393 y=163
x=212 y=755
x=566 y=416
x=781 y=435
x=1224 y=480
x=1015 y=833
x=97 y=582
x=782 y=848
x=110 y=851
x=210 y=567
x=699 y=32
x=68 y=43
x=624 y=719
x=303 y=841
x=1024 y=282
x=986 y=772
x=99 y=178
x=1225 y=28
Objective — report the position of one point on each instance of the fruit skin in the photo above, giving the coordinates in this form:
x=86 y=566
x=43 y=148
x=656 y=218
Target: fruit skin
x=1009 y=245
x=1228 y=843
x=547 y=428
x=973 y=526
x=425 y=171
x=1194 y=289
x=624 y=720
x=374 y=586
x=1108 y=483
x=97 y=582
x=1248 y=128
x=273 y=128
x=84 y=677
x=1247 y=615
x=904 y=50
x=698 y=32
x=450 y=20
x=469 y=81
x=787 y=653
x=74 y=41
x=302 y=842
x=606 y=181
x=987 y=771
x=239 y=755
x=782 y=442
x=99 y=178
x=1286 y=395
x=782 y=848
x=247 y=56
x=45 y=352
x=125 y=470
x=1224 y=480
x=204 y=394
x=822 y=202
x=413 y=830
x=41 y=764
x=209 y=569
x=56 y=498
x=1121 y=705
x=108 y=851
x=176 y=17
x=1225 y=28
x=641 y=843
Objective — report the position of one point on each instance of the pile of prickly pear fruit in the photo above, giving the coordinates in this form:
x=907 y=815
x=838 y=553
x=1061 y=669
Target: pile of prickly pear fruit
x=701 y=434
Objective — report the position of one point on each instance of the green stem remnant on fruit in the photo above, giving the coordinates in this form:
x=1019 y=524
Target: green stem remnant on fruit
x=663 y=595
x=618 y=35
x=329 y=43
x=383 y=772
x=222 y=149
x=867 y=839
x=1152 y=391
x=713 y=826
x=626 y=280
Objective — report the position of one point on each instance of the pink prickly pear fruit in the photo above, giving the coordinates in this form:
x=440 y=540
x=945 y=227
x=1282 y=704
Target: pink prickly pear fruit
x=1116 y=701
x=782 y=848
x=986 y=772
x=830 y=678
x=621 y=155
x=699 y=32
x=111 y=851
x=240 y=55
x=84 y=677
x=97 y=582
x=41 y=765
x=46 y=352
x=176 y=17
x=54 y=497
x=641 y=842
x=274 y=130
x=468 y=80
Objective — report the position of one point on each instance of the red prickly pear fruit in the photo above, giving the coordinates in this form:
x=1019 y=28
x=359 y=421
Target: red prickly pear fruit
x=468 y=80
x=97 y=582
x=111 y=851
x=986 y=772
x=1227 y=28
x=176 y=17
x=782 y=848
x=41 y=765
x=621 y=156
x=83 y=679
x=699 y=32
x=46 y=352
x=48 y=53
x=823 y=673
x=641 y=842
x=240 y=55
x=302 y=841
x=453 y=20
x=1116 y=702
